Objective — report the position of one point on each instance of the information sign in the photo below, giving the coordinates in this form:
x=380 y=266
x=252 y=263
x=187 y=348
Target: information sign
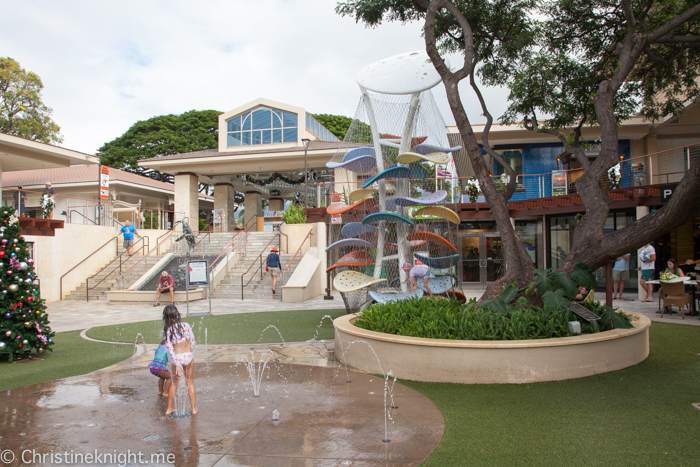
x=197 y=271
x=104 y=182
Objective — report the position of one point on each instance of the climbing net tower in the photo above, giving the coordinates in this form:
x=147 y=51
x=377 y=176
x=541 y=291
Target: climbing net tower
x=391 y=189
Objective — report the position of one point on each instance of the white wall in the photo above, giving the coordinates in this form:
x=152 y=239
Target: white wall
x=54 y=256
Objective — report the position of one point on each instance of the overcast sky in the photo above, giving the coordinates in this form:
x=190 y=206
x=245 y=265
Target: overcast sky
x=106 y=65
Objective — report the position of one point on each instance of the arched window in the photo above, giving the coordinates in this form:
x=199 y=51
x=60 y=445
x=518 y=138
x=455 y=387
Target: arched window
x=262 y=126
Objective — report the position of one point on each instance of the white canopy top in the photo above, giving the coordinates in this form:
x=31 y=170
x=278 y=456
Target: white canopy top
x=405 y=73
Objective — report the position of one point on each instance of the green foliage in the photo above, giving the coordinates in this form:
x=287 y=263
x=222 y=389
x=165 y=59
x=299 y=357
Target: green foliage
x=550 y=280
x=448 y=319
x=24 y=323
x=501 y=303
x=150 y=220
x=22 y=112
x=336 y=124
x=294 y=214
x=164 y=135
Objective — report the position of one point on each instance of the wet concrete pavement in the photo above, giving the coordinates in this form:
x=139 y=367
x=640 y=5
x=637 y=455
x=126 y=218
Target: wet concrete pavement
x=323 y=419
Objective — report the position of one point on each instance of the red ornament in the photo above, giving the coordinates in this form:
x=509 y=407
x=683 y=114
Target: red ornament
x=20 y=346
x=9 y=273
x=2 y=254
x=30 y=299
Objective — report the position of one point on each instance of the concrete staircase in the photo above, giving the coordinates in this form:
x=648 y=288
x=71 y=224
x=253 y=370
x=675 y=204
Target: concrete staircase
x=111 y=275
x=260 y=289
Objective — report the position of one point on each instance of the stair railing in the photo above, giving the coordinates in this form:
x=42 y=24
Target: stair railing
x=260 y=267
x=225 y=256
x=126 y=277
x=283 y=279
x=206 y=231
x=116 y=252
x=119 y=260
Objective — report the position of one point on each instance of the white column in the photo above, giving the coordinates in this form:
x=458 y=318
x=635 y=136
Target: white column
x=253 y=208
x=187 y=198
x=223 y=199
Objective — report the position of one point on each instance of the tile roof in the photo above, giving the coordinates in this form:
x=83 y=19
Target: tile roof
x=78 y=174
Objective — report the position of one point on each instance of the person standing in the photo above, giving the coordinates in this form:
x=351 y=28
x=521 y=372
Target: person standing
x=129 y=230
x=647 y=259
x=20 y=198
x=166 y=283
x=621 y=273
x=49 y=203
x=274 y=266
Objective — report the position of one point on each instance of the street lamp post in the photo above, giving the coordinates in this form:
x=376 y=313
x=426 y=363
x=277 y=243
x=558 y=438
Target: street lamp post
x=306 y=142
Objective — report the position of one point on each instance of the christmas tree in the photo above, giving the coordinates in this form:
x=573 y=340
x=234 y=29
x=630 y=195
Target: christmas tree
x=24 y=324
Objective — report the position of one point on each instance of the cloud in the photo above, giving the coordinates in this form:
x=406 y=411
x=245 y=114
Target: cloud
x=106 y=65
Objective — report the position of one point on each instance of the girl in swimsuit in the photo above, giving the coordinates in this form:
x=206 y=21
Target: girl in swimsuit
x=179 y=340
x=159 y=368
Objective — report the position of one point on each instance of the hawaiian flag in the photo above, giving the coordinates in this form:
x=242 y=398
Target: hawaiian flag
x=442 y=173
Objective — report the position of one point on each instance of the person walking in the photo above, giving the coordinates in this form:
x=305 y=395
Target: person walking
x=166 y=283
x=621 y=273
x=129 y=231
x=647 y=259
x=274 y=266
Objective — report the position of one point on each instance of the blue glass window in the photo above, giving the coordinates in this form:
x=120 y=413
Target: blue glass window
x=234 y=124
x=262 y=126
x=234 y=139
x=261 y=119
x=289 y=134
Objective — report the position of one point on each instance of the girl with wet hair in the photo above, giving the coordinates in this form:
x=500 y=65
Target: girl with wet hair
x=179 y=340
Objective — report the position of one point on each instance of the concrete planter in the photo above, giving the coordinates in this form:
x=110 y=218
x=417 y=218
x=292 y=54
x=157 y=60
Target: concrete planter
x=145 y=296
x=295 y=234
x=492 y=362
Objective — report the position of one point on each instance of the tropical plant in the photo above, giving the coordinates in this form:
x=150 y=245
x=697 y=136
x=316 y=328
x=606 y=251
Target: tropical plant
x=294 y=214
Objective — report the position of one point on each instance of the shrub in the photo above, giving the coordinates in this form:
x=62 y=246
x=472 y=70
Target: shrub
x=294 y=215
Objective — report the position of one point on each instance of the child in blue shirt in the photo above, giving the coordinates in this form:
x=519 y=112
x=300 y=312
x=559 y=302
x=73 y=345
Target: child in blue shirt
x=159 y=368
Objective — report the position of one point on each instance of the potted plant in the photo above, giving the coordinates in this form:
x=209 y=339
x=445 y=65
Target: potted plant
x=472 y=189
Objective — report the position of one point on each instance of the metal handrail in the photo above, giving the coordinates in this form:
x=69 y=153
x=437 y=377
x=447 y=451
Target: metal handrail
x=231 y=246
x=259 y=267
x=308 y=235
x=207 y=232
x=86 y=258
x=80 y=213
x=157 y=247
x=255 y=218
x=144 y=240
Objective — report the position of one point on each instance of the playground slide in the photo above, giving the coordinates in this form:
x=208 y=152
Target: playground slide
x=388 y=297
x=427 y=199
x=439 y=211
x=354 y=258
x=350 y=281
x=441 y=262
x=391 y=172
x=432 y=238
x=385 y=216
x=351 y=243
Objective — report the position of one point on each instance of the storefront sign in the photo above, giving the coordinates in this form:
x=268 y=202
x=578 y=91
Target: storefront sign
x=336 y=198
x=336 y=220
x=639 y=174
x=104 y=182
x=667 y=192
x=559 y=187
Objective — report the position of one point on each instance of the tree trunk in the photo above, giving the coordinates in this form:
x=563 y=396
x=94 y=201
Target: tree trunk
x=519 y=266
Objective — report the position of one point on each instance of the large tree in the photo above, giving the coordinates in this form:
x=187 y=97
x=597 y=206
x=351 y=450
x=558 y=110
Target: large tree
x=336 y=124
x=22 y=112
x=592 y=50
x=160 y=136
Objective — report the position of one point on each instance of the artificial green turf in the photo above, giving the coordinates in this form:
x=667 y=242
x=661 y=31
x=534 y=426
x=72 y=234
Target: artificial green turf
x=71 y=356
x=294 y=326
x=639 y=416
